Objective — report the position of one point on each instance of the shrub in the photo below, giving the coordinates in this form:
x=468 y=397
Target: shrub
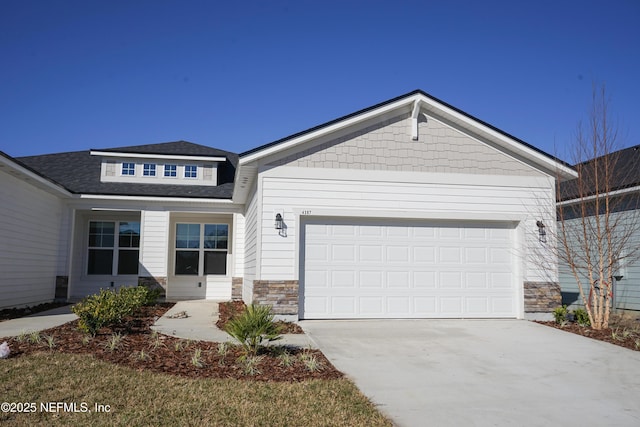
x=560 y=314
x=109 y=307
x=252 y=327
x=582 y=317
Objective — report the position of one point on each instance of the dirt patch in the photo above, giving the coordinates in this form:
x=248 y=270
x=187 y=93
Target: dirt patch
x=229 y=309
x=141 y=348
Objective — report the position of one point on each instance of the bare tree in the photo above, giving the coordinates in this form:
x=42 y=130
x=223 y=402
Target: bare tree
x=597 y=212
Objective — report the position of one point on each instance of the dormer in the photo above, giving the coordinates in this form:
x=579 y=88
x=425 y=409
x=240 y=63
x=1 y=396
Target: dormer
x=151 y=168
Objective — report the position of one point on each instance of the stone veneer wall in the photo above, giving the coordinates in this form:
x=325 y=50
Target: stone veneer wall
x=154 y=282
x=236 y=288
x=541 y=297
x=282 y=295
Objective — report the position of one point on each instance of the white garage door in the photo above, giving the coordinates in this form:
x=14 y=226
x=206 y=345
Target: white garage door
x=364 y=269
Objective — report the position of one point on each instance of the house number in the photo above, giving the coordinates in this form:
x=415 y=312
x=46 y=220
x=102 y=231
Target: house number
x=306 y=213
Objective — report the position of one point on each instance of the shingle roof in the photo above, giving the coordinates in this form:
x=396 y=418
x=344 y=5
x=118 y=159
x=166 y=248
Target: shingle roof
x=625 y=173
x=182 y=148
x=79 y=172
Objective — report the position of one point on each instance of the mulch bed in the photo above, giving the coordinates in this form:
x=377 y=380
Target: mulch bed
x=142 y=349
x=229 y=309
x=14 y=313
x=606 y=335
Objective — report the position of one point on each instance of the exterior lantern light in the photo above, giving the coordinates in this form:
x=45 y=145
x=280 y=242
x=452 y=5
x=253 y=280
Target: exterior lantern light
x=279 y=222
x=542 y=233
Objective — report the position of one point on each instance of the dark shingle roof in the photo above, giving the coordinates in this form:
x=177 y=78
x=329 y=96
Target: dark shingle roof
x=79 y=172
x=179 y=148
x=625 y=173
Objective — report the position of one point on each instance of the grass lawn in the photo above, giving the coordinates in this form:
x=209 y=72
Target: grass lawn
x=138 y=398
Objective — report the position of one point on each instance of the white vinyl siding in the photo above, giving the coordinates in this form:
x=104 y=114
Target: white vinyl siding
x=469 y=199
x=250 y=246
x=237 y=244
x=30 y=227
x=154 y=243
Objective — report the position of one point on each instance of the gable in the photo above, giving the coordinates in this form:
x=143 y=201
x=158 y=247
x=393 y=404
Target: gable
x=388 y=145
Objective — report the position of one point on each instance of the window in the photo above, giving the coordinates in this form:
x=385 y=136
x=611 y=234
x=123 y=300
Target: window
x=170 y=170
x=190 y=171
x=110 y=255
x=128 y=168
x=201 y=249
x=149 y=169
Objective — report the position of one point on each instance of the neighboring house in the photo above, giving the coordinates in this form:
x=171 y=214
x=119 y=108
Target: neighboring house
x=624 y=199
x=409 y=208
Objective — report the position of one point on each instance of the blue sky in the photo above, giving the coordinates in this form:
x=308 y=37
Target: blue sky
x=235 y=75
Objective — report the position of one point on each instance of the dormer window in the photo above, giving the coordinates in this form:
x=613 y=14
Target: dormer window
x=170 y=170
x=128 y=169
x=190 y=171
x=149 y=169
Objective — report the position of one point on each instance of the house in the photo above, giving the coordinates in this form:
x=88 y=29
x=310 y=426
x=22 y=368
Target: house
x=409 y=208
x=623 y=193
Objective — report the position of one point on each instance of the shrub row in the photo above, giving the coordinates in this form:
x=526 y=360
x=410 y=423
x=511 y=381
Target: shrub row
x=562 y=315
x=109 y=307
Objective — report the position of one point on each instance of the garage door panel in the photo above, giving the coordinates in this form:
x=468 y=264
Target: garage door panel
x=500 y=256
x=398 y=279
x=502 y=305
x=450 y=255
x=476 y=306
x=317 y=252
x=366 y=270
x=343 y=279
x=370 y=231
x=450 y=280
x=424 y=255
x=343 y=253
x=425 y=306
x=451 y=306
x=424 y=279
x=423 y=233
x=449 y=233
x=371 y=279
x=370 y=254
x=475 y=255
x=371 y=306
x=399 y=306
x=476 y=280
x=316 y=305
x=398 y=254
x=502 y=280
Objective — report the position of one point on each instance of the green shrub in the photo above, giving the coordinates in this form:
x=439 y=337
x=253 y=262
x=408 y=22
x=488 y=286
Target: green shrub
x=582 y=317
x=109 y=307
x=252 y=327
x=560 y=314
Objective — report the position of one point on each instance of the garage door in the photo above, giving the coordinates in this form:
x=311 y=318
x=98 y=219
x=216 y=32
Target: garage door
x=364 y=269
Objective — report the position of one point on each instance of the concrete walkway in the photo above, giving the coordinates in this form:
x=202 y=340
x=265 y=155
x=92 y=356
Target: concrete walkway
x=37 y=322
x=199 y=325
x=484 y=372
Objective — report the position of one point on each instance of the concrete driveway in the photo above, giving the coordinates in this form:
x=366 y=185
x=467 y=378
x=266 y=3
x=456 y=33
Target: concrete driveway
x=484 y=372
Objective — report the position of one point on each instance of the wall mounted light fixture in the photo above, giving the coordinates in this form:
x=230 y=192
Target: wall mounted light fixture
x=279 y=222
x=542 y=233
